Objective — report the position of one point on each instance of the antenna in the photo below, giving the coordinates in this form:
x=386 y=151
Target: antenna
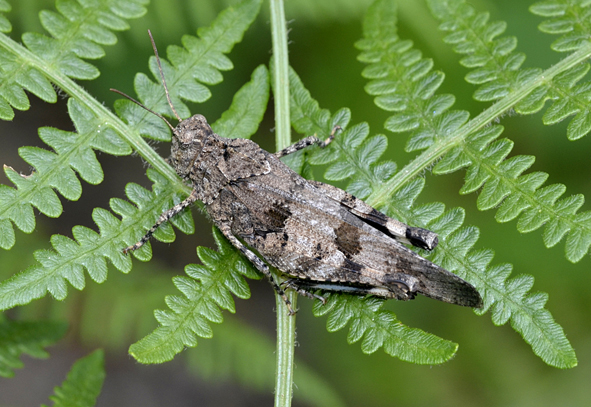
x=162 y=76
x=143 y=107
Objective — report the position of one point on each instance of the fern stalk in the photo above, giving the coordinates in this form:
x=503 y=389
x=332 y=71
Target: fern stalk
x=75 y=91
x=428 y=157
x=280 y=83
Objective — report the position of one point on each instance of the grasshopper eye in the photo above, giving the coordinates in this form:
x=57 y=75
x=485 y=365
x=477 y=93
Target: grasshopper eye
x=184 y=145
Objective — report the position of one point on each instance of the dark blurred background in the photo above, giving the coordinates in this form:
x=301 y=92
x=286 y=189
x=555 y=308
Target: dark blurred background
x=493 y=366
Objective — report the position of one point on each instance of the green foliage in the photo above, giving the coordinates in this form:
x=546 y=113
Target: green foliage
x=18 y=337
x=208 y=289
x=570 y=18
x=90 y=250
x=497 y=65
x=418 y=108
x=199 y=61
x=514 y=194
x=83 y=384
x=5 y=25
x=248 y=107
x=55 y=171
x=471 y=144
x=110 y=315
x=77 y=32
x=380 y=328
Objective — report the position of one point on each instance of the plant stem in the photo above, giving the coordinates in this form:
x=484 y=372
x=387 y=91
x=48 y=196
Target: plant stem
x=109 y=118
x=280 y=76
x=285 y=351
x=285 y=322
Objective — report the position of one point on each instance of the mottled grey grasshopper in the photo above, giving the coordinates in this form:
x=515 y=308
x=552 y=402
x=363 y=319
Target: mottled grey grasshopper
x=320 y=236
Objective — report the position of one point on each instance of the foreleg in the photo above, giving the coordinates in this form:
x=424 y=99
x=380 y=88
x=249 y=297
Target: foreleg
x=163 y=218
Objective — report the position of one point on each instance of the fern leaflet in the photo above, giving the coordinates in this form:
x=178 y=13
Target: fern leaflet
x=208 y=289
x=380 y=328
x=84 y=382
x=77 y=31
x=5 y=25
x=569 y=18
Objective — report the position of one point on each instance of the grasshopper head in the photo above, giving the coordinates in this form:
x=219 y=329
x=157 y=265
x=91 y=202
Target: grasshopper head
x=187 y=143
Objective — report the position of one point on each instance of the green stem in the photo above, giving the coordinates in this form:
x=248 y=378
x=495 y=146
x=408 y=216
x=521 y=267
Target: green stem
x=280 y=75
x=285 y=322
x=104 y=115
x=109 y=118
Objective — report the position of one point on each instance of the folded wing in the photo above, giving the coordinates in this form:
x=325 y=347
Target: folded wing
x=308 y=234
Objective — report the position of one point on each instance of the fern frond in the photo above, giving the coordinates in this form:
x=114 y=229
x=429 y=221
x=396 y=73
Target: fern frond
x=111 y=314
x=519 y=196
x=196 y=64
x=495 y=62
x=99 y=129
x=78 y=31
x=471 y=144
x=90 y=250
x=26 y=337
x=55 y=171
x=498 y=66
x=508 y=299
x=403 y=83
x=381 y=329
x=206 y=289
x=69 y=258
x=84 y=382
x=571 y=19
